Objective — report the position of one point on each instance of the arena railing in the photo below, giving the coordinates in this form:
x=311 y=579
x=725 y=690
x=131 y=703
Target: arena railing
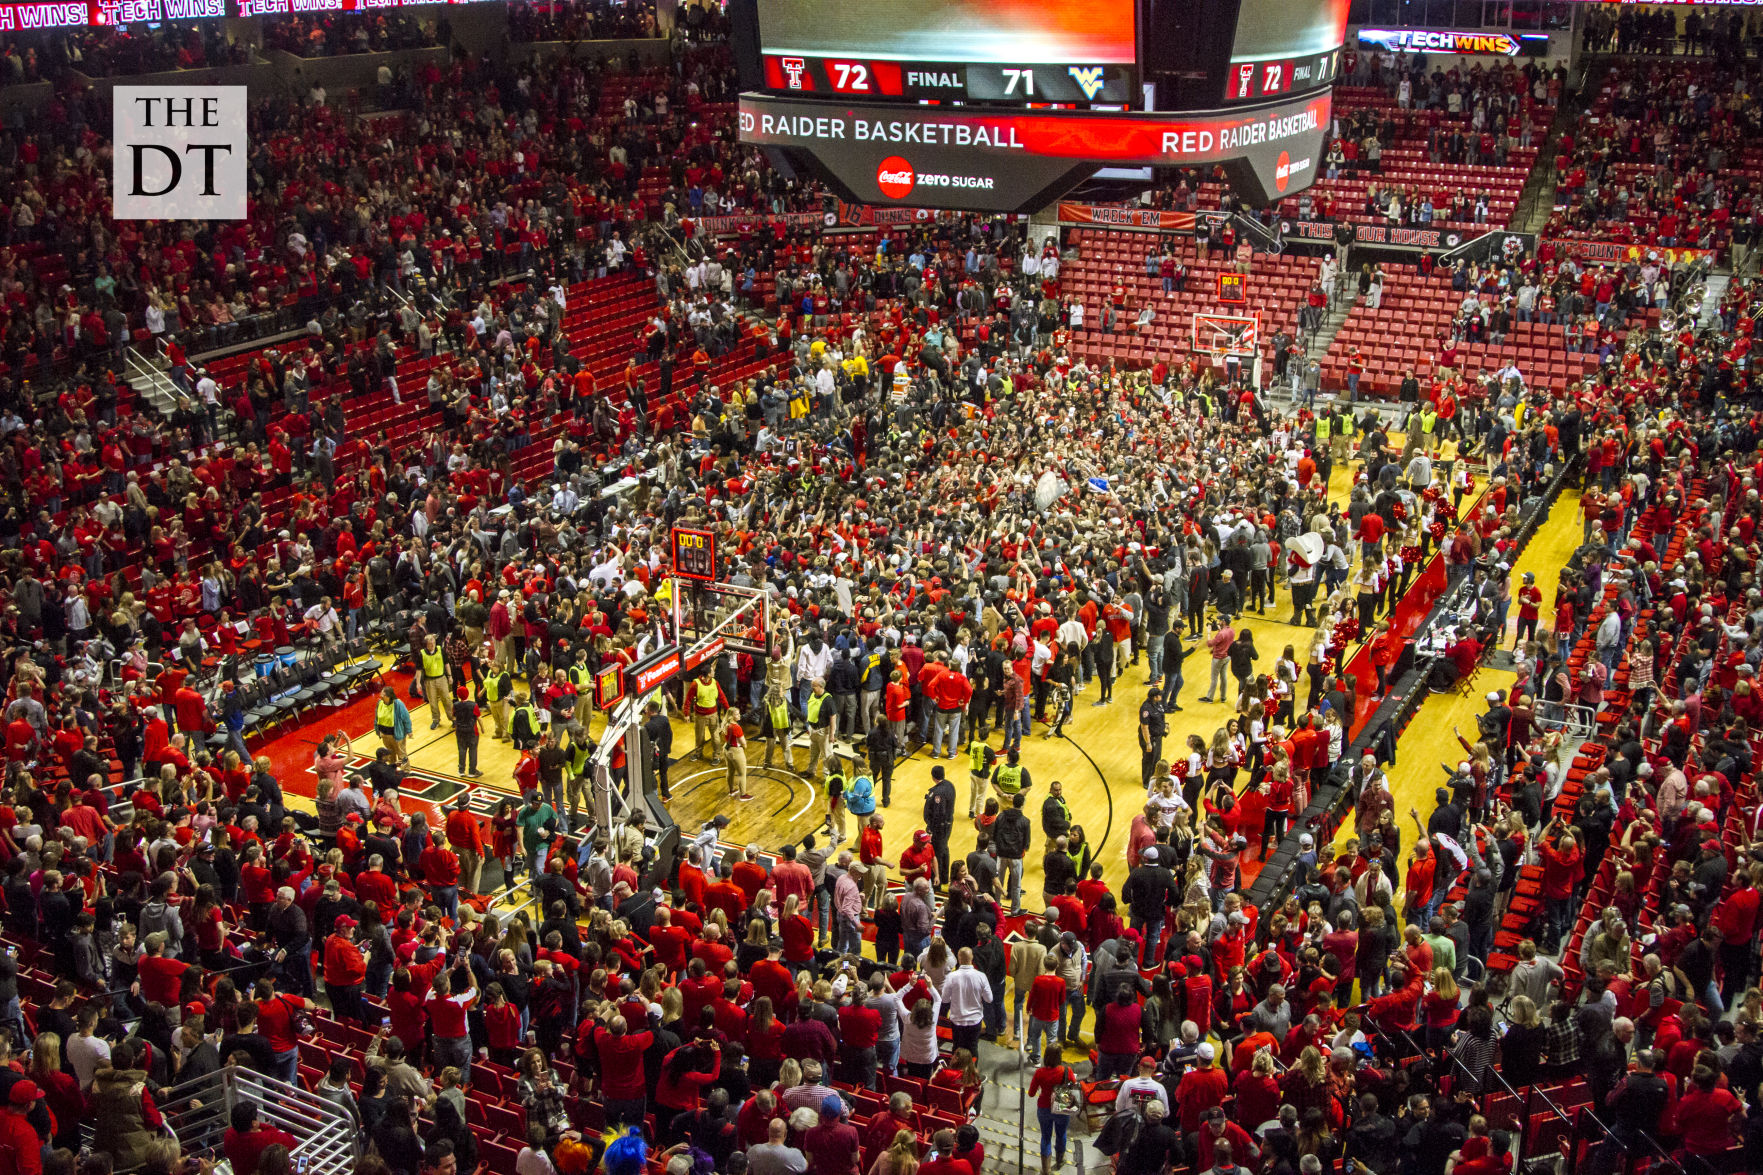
x=200 y=1111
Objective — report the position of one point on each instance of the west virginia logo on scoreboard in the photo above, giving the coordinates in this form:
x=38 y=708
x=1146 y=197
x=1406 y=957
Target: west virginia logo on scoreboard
x=1089 y=79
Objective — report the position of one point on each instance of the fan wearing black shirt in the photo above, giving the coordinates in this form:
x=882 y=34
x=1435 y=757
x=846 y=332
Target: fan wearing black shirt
x=1158 y=1147
x=249 y=1043
x=57 y=1017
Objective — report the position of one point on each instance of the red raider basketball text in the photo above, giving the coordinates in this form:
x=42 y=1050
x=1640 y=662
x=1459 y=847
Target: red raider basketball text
x=943 y=158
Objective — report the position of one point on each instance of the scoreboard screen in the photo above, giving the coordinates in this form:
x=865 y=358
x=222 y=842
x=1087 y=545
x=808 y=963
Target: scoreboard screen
x=1005 y=105
x=1019 y=51
x=1282 y=47
x=694 y=553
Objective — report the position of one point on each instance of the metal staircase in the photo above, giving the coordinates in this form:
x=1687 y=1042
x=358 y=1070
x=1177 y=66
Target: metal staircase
x=1536 y=203
x=1341 y=301
x=1713 y=289
x=155 y=387
x=200 y=1111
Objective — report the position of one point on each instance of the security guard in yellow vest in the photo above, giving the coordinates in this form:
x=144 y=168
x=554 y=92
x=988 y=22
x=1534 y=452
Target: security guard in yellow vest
x=437 y=683
x=818 y=710
x=583 y=680
x=705 y=699
x=1011 y=778
x=576 y=783
x=524 y=726
x=980 y=758
x=391 y=721
x=498 y=687
x=777 y=727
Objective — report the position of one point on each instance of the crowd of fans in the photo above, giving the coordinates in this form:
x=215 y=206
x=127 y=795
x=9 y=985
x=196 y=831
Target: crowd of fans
x=852 y=477
x=118 y=52
x=1713 y=31
x=516 y=161
x=964 y=532
x=1670 y=161
x=341 y=34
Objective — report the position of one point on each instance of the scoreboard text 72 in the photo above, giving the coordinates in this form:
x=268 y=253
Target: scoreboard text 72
x=959 y=81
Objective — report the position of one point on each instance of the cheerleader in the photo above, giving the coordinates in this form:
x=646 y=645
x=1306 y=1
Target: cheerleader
x=1254 y=741
x=1315 y=660
x=1278 y=790
x=1283 y=687
x=1392 y=579
x=1412 y=552
x=1221 y=761
x=502 y=838
x=1368 y=583
x=1461 y=483
x=1192 y=770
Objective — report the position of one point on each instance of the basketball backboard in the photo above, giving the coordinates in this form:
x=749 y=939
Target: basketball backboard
x=701 y=608
x=1219 y=335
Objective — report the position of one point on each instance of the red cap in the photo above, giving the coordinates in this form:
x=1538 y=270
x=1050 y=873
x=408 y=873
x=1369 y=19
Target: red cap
x=24 y=1093
x=344 y=920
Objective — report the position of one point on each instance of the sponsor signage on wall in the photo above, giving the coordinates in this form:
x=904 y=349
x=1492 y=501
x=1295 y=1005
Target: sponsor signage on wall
x=1466 y=43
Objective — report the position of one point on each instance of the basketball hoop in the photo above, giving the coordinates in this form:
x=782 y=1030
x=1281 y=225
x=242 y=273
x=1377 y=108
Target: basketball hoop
x=741 y=616
x=1222 y=335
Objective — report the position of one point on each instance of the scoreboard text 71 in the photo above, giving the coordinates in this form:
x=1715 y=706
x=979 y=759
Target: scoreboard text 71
x=694 y=553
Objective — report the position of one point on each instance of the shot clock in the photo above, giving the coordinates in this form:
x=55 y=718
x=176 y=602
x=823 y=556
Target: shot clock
x=694 y=553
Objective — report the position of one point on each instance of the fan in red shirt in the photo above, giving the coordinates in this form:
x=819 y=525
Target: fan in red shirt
x=440 y=869
x=1736 y=918
x=1707 y=1114
x=1561 y=871
x=672 y=943
x=246 y=1138
x=160 y=976
x=345 y=969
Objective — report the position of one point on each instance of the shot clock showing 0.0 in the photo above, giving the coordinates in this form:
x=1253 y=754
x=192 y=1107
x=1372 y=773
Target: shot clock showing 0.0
x=694 y=554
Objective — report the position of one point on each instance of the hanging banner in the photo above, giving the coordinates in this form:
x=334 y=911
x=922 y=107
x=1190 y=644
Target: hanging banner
x=1144 y=218
x=1618 y=252
x=1385 y=235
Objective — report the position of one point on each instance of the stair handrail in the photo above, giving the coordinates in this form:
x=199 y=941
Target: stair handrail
x=136 y=366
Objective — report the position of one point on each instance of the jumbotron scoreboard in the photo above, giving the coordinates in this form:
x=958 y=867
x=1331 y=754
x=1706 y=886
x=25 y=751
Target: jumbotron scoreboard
x=1003 y=105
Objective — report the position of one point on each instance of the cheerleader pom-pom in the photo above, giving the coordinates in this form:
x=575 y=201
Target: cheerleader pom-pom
x=1400 y=511
x=1437 y=530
